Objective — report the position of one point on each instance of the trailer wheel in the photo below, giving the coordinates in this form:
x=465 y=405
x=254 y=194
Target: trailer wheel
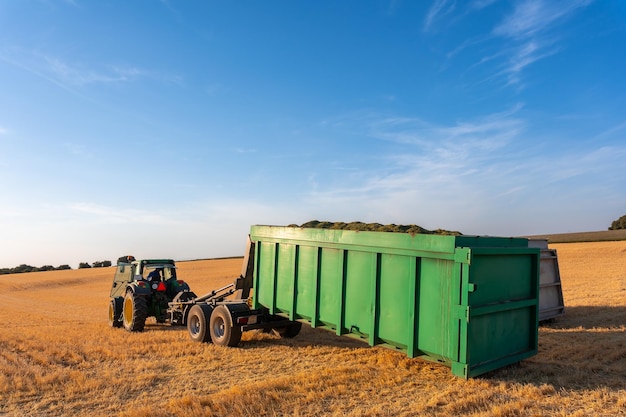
x=289 y=331
x=223 y=332
x=135 y=312
x=115 y=311
x=197 y=323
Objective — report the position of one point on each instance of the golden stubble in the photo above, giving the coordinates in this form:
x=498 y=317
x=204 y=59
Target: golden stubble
x=59 y=357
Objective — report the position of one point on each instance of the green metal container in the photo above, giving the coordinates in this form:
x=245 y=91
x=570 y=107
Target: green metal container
x=468 y=302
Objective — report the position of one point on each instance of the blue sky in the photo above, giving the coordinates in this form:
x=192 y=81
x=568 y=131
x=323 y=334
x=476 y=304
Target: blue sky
x=167 y=128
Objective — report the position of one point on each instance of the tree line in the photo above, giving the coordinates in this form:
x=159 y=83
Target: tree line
x=28 y=268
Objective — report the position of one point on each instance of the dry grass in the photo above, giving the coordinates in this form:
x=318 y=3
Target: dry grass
x=59 y=357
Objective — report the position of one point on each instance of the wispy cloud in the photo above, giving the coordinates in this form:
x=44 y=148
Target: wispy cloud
x=434 y=157
x=610 y=132
x=244 y=150
x=481 y=4
x=75 y=75
x=530 y=26
x=109 y=214
x=531 y=17
x=483 y=166
x=486 y=132
x=439 y=9
x=527 y=34
x=72 y=75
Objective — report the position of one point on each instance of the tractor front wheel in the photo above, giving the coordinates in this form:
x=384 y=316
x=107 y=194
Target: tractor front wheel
x=115 y=311
x=135 y=312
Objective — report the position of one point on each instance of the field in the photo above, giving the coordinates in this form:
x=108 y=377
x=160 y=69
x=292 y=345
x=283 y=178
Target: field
x=59 y=357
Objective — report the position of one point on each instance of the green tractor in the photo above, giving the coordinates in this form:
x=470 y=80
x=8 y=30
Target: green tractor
x=145 y=288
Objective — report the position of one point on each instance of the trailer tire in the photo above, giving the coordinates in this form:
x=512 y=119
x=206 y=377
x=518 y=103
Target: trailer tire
x=223 y=333
x=115 y=311
x=198 y=323
x=134 y=312
x=289 y=331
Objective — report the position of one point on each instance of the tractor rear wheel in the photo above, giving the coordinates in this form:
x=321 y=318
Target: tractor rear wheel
x=223 y=333
x=115 y=311
x=198 y=323
x=135 y=312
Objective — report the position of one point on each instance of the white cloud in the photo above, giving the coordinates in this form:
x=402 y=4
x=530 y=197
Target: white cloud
x=525 y=36
x=79 y=76
x=530 y=26
x=481 y=4
x=485 y=175
x=531 y=17
x=439 y=9
x=110 y=214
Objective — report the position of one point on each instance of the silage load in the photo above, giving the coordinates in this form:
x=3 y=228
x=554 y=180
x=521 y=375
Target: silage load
x=375 y=227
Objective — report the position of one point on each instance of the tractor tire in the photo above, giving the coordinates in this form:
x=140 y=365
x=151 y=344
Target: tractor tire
x=135 y=312
x=198 y=323
x=223 y=333
x=289 y=331
x=115 y=311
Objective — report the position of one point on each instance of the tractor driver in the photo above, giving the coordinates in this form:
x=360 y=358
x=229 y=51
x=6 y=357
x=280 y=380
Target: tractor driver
x=155 y=275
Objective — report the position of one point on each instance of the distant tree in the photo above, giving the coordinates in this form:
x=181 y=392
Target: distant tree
x=101 y=264
x=46 y=268
x=619 y=224
x=84 y=265
x=24 y=268
x=5 y=271
x=63 y=267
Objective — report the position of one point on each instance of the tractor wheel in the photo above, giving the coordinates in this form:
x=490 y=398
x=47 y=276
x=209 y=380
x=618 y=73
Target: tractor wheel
x=115 y=311
x=223 y=333
x=290 y=331
x=135 y=312
x=198 y=323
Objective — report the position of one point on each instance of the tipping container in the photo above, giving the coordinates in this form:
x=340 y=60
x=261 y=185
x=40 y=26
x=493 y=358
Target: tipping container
x=468 y=302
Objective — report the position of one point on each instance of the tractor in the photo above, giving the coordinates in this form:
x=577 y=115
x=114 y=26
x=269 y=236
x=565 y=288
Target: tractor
x=145 y=288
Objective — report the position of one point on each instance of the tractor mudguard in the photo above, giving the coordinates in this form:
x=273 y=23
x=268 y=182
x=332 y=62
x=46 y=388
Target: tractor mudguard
x=140 y=288
x=237 y=309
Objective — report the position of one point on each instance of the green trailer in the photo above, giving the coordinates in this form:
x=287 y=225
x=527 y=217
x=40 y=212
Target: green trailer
x=468 y=302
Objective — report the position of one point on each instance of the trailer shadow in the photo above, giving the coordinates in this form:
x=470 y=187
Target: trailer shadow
x=584 y=349
x=308 y=336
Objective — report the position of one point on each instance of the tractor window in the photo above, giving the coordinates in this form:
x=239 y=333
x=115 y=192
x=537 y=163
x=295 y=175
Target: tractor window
x=168 y=273
x=159 y=272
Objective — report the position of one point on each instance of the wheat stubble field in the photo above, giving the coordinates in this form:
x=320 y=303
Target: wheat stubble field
x=59 y=357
